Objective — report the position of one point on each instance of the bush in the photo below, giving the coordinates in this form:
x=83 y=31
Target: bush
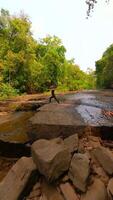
x=6 y=90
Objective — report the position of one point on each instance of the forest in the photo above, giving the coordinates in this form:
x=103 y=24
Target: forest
x=104 y=69
x=31 y=66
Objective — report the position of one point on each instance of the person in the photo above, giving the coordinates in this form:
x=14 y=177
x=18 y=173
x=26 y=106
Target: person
x=53 y=96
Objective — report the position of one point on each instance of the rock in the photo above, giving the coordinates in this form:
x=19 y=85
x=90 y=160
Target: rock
x=72 y=143
x=100 y=173
x=105 y=158
x=50 y=191
x=17 y=178
x=96 y=191
x=35 y=193
x=51 y=157
x=14 y=127
x=64 y=179
x=68 y=192
x=54 y=120
x=94 y=142
x=29 y=105
x=110 y=189
x=79 y=171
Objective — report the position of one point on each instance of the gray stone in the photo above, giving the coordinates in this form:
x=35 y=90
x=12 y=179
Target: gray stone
x=71 y=143
x=96 y=191
x=79 y=171
x=54 y=120
x=51 y=157
x=110 y=189
x=105 y=158
x=17 y=178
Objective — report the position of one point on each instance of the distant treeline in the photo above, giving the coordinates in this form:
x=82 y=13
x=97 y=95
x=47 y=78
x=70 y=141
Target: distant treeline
x=104 y=69
x=28 y=66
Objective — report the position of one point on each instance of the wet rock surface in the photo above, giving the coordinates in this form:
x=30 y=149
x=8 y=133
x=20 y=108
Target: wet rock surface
x=14 y=127
x=73 y=115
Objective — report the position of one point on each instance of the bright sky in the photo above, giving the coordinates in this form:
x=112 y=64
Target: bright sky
x=85 y=40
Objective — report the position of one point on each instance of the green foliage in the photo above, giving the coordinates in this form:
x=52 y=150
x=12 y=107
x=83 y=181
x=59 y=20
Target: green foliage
x=104 y=69
x=7 y=91
x=31 y=66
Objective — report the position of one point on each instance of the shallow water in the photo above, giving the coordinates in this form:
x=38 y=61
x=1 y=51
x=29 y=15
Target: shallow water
x=90 y=107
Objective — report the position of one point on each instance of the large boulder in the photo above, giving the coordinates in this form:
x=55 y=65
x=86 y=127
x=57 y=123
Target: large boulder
x=71 y=143
x=79 y=171
x=105 y=158
x=97 y=191
x=54 y=120
x=51 y=157
x=17 y=178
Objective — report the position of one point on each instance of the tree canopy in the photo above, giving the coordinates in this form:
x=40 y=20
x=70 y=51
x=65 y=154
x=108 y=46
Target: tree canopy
x=27 y=65
x=104 y=69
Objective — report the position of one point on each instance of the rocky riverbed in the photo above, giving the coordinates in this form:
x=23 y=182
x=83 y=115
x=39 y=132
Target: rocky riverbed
x=69 y=147
x=76 y=168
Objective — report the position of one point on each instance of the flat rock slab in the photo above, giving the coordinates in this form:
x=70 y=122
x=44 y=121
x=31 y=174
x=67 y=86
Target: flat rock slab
x=54 y=120
x=76 y=112
x=14 y=127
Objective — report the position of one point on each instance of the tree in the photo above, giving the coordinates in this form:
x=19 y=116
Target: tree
x=27 y=65
x=51 y=54
x=17 y=52
x=104 y=69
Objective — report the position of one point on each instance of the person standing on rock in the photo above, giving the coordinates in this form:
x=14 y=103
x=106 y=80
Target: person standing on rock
x=53 y=96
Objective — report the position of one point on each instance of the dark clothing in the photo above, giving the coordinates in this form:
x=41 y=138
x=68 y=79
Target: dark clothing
x=53 y=96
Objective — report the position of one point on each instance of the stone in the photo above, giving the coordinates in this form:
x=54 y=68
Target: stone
x=35 y=193
x=64 y=179
x=51 y=157
x=71 y=143
x=99 y=171
x=94 y=142
x=55 y=120
x=79 y=171
x=14 y=127
x=110 y=189
x=96 y=191
x=68 y=191
x=105 y=158
x=17 y=178
x=50 y=191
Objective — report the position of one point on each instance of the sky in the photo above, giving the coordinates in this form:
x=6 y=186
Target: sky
x=84 y=39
